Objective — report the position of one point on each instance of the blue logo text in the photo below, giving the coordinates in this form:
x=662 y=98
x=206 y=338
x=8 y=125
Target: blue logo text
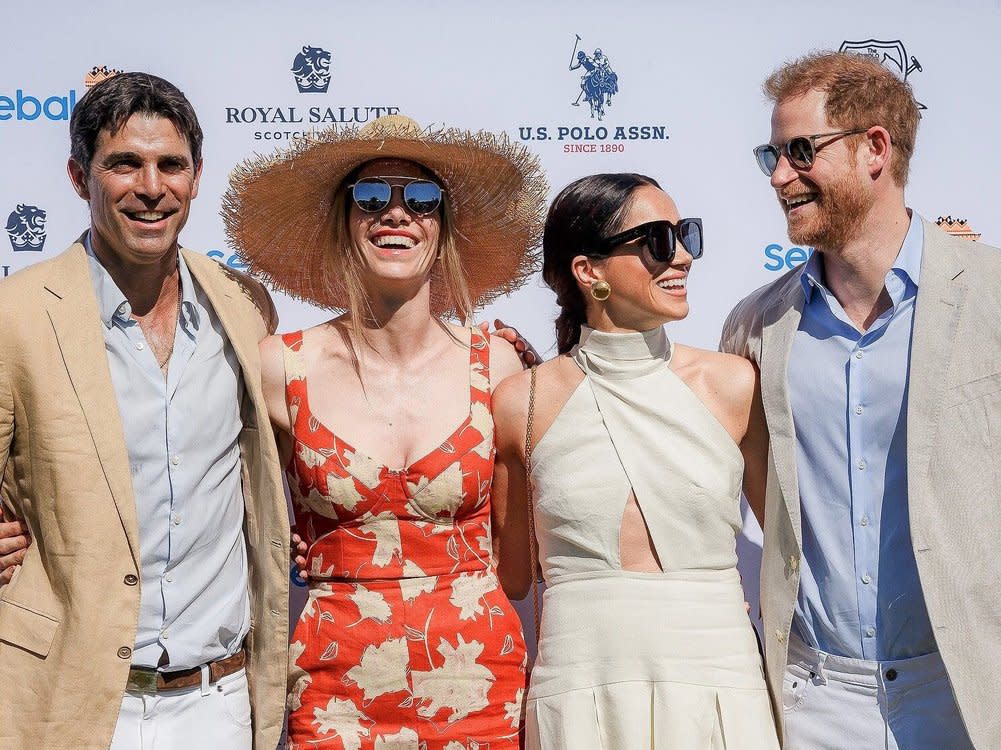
x=26 y=107
x=780 y=258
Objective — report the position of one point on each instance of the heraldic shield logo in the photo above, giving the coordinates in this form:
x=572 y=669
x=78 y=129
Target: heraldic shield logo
x=311 y=69
x=26 y=228
x=598 y=83
x=891 y=54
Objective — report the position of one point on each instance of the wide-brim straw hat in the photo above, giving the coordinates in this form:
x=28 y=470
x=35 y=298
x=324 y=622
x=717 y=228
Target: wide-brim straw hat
x=277 y=207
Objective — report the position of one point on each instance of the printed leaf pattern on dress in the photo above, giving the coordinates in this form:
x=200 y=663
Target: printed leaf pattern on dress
x=460 y=683
x=383 y=669
x=405 y=739
x=371 y=605
x=343 y=718
x=437 y=496
x=468 y=592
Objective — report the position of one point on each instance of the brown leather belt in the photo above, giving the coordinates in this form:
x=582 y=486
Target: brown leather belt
x=149 y=680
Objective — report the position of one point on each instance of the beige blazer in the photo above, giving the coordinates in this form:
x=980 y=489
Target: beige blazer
x=68 y=618
x=953 y=459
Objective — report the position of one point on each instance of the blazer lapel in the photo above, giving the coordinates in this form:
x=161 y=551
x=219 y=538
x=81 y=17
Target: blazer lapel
x=210 y=277
x=220 y=290
x=779 y=324
x=941 y=293
x=75 y=319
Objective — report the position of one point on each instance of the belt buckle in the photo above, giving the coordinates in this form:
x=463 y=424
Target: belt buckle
x=141 y=681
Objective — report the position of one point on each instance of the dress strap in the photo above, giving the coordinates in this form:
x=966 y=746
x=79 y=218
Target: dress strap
x=479 y=363
x=295 y=375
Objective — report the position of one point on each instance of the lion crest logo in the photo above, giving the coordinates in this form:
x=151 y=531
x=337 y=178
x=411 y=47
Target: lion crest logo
x=311 y=69
x=26 y=228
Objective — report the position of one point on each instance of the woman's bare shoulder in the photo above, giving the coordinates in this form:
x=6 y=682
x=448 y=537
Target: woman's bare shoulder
x=726 y=377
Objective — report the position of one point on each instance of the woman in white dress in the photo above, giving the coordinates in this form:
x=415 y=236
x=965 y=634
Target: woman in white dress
x=637 y=449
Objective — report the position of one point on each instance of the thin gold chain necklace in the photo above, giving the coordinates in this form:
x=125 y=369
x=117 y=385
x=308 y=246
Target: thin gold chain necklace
x=173 y=339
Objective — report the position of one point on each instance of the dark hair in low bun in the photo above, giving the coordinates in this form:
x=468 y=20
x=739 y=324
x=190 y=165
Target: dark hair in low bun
x=585 y=211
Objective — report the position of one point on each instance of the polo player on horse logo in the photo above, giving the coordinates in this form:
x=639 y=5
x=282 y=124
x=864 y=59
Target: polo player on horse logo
x=598 y=83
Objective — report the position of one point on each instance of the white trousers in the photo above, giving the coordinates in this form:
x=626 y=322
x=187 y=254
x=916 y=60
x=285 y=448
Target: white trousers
x=209 y=717
x=836 y=703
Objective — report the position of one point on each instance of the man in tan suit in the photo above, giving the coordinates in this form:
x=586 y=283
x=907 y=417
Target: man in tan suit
x=150 y=610
x=880 y=365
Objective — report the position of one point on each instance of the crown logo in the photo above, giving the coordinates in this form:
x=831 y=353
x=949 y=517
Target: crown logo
x=98 y=74
x=26 y=228
x=957 y=228
x=311 y=69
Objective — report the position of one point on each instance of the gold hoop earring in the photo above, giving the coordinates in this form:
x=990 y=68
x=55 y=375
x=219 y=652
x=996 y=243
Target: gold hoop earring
x=601 y=290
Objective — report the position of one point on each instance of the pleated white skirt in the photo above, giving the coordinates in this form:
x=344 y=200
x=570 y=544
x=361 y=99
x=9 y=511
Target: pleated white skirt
x=630 y=661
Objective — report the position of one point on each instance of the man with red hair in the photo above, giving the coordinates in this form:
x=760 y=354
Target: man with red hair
x=880 y=378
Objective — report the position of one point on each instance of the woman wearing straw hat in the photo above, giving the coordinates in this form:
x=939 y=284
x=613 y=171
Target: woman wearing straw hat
x=633 y=448
x=384 y=417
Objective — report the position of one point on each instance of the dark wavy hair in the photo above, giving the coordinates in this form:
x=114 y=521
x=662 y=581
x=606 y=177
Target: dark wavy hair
x=110 y=104
x=585 y=211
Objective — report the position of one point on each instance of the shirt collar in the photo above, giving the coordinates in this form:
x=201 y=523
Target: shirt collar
x=905 y=271
x=113 y=305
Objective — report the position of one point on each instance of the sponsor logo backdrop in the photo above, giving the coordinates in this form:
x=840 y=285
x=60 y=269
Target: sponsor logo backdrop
x=671 y=90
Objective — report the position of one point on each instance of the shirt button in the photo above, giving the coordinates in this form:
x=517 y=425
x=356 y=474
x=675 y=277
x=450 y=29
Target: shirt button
x=858 y=409
x=139 y=346
x=169 y=578
x=858 y=355
x=175 y=460
x=164 y=634
x=122 y=308
x=861 y=464
x=864 y=521
x=131 y=580
x=870 y=632
x=124 y=652
x=176 y=519
x=866 y=579
x=780 y=636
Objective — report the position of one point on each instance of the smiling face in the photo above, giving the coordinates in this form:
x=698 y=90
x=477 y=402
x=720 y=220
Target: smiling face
x=645 y=293
x=395 y=243
x=140 y=186
x=826 y=204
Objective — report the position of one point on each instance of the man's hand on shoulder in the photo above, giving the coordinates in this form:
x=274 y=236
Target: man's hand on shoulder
x=521 y=345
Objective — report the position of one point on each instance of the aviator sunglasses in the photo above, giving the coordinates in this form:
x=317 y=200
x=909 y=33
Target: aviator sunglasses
x=661 y=238
x=801 y=150
x=373 y=194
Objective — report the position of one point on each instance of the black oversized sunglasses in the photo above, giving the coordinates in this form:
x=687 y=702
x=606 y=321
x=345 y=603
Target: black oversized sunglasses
x=661 y=238
x=373 y=194
x=801 y=150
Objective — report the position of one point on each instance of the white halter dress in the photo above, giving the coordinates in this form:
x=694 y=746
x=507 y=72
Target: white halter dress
x=627 y=660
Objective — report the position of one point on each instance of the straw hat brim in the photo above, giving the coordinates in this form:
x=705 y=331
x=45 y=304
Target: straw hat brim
x=277 y=208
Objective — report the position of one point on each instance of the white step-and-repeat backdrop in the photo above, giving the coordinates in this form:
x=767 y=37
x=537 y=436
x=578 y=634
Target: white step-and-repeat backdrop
x=688 y=110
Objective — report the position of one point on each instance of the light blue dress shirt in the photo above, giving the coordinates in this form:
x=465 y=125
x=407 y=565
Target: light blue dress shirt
x=859 y=593
x=182 y=436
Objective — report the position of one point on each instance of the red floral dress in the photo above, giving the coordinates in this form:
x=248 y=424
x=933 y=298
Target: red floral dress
x=407 y=641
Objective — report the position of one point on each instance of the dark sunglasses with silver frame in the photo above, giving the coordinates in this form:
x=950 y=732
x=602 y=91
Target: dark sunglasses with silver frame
x=660 y=237
x=420 y=195
x=801 y=150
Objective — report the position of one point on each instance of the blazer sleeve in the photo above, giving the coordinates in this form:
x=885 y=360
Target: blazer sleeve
x=259 y=295
x=736 y=332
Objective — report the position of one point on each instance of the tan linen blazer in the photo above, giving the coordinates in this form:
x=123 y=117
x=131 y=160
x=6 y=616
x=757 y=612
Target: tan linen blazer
x=68 y=618
x=953 y=459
